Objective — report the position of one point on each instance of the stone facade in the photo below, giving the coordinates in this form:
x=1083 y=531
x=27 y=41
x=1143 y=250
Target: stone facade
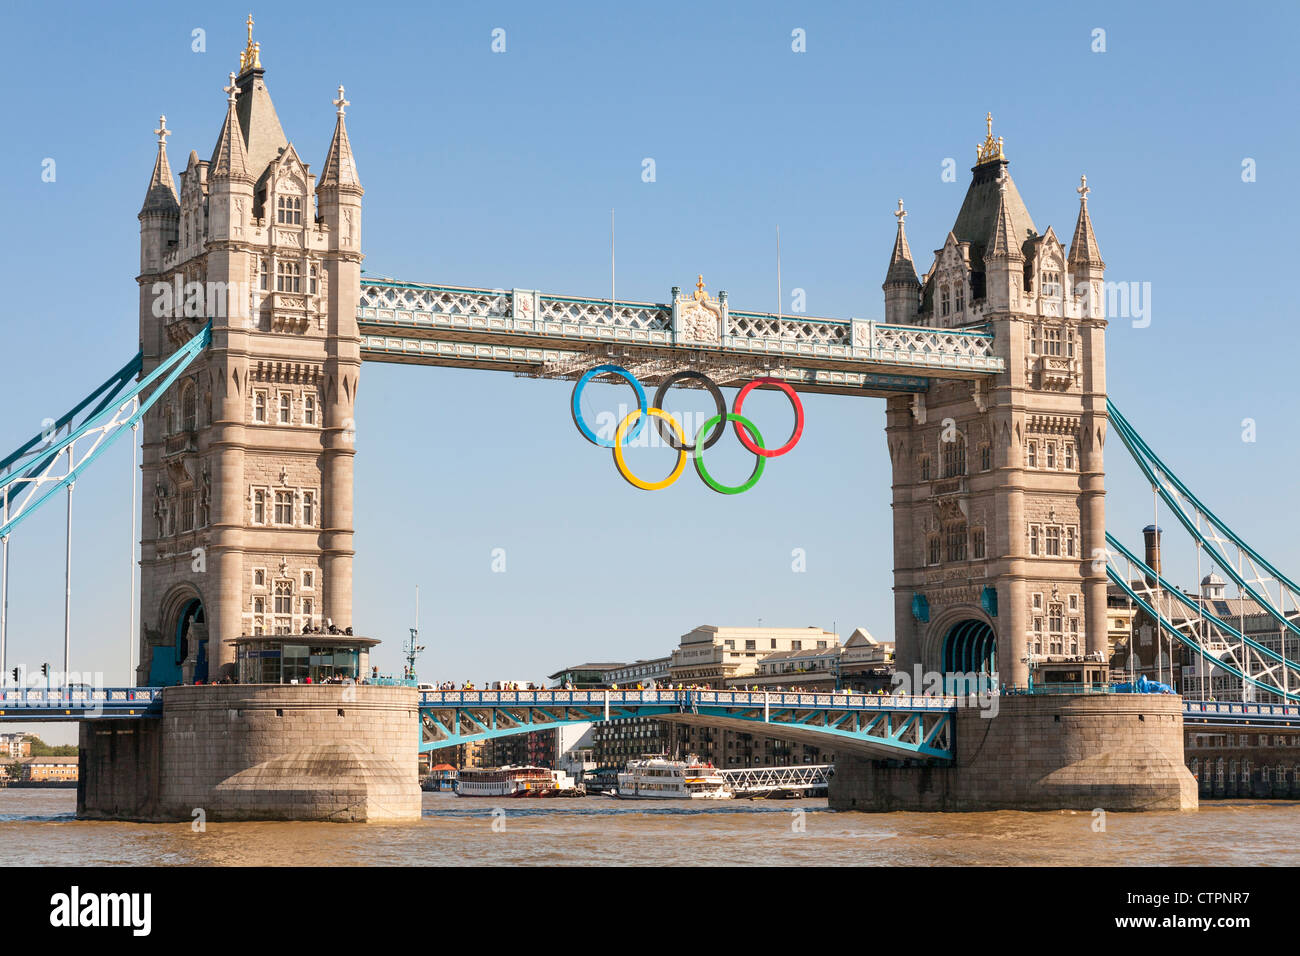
x=247 y=461
x=1043 y=752
x=260 y=752
x=998 y=483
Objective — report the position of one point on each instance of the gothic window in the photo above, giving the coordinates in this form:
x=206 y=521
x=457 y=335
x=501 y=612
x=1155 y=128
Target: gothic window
x=309 y=409
x=1074 y=602
x=1052 y=341
x=977 y=544
x=259 y=577
x=169 y=418
x=259 y=407
x=259 y=612
x=283 y=606
x=308 y=580
x=954 y=457
x=259 y=506
x=1033 y=539
x=1052 y=283
x=187 y=509
x=264 y=275
x=286 y=408
x=1067 y=453
x=288 y=211
x=986 y=456
x=1053 y=540
x=959 y=297
x=308 y=608
x=932 y=544
x=288 y=276
x=1074 y=636
x=1033 y=454
x=925 y=467
x=945 y=304
x=189 y=407
x=308 y=512
x=1069 y=542
x=1069 y=343
x=1049 y=454
x=312 y=278
x=955 y=540
x=284 y=507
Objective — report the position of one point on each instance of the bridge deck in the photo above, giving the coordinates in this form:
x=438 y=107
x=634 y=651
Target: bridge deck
x=553 y=336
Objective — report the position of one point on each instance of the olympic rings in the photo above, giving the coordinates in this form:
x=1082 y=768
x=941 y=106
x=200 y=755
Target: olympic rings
x=718 y=400
x=630 y=427
x=798 y=418
x=642 y=404
x=760 y=461
x=632 y=479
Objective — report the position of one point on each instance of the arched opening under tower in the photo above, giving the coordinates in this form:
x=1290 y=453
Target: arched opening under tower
x=970 y=647
x=189 y=635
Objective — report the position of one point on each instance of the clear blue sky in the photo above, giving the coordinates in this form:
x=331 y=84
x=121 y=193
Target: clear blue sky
x=500 y=169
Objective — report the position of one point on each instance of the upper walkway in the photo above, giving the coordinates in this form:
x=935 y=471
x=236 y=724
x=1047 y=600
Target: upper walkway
x=554 y=336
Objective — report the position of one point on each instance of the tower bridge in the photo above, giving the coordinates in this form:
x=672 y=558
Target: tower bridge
x=990 y=362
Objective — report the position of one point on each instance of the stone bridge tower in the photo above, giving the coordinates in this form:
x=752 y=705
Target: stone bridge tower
x=247 y=466
x=998 y=484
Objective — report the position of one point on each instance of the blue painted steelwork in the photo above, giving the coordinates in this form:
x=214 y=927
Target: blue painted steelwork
x=1170 y=488
x=1212 y=713
x=970 y=646
x=918 y=727
x=1168 y=627
x=26 y=490
x=18 y=703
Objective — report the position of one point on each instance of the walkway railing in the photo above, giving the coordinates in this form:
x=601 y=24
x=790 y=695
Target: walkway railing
x=687 y=698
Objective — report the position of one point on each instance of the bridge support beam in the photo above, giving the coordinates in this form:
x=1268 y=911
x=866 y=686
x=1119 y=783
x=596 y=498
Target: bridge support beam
x=1042 y=752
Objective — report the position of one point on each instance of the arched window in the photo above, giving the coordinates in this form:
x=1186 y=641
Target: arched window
x=954 y=533
x=925 y=467
x=954 y=457
x=285 y=408
x=933 y=550
x=189 y=407
x=945 y=302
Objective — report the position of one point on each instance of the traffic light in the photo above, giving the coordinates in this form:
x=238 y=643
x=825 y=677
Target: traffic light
x=45 y=670
x=15 y=673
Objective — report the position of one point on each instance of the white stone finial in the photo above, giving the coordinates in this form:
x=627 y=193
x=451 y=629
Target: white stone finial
x=230 y=90
x=341 y=103
x=1083 y=189
x=901 y=214
x=162 y=132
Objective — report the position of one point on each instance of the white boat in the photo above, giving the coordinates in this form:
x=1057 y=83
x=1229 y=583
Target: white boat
x=514 y=782
x=657 y=778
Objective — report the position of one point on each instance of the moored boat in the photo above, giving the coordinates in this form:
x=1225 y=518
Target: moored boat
x=657 y=778
x=514 y=782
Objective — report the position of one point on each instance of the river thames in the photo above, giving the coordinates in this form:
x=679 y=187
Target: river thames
x=37 y=828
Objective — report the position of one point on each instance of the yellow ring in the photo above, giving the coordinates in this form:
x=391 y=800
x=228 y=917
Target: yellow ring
x=632 y=479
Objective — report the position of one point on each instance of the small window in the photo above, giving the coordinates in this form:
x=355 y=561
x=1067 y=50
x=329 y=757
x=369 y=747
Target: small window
x=925 y=467
x=286 y=408
x=288 y=210
x=1033 y=539
x=313 y=276
x=1074 y=602
x=284 y=507
x=264 y=275
x=1067 y=454
x=1069 y=542
x=189 y=407
x=1053 y=539
x=934 y=549
x=1033 y=454
x=309 y=409
x=986 y=457
x=309 y=510
x=977 y=544
x=259 y=407
x=259 y=506
x=945 y=304
x=259 y=577
x=308 y=580
x=308 y=608
x=288 y=276
x=959 y=297
x=1049 y=452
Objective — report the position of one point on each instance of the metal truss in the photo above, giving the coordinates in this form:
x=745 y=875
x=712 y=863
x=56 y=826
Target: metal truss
x=35 y=472
x=435 y=324
x=1185 y=620
x=797 y=777
x=918 y=727
x=1256 y=576
x=61 y=703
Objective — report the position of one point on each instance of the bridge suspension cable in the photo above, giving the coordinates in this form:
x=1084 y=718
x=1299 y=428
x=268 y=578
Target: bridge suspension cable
x=1254 y=575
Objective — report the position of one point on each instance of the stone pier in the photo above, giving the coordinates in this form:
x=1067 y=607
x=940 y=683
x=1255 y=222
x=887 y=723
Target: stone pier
x=1042 y=752
x=343 y=753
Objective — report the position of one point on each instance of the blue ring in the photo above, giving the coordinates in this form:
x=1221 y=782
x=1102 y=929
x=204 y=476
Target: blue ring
x=644 y=405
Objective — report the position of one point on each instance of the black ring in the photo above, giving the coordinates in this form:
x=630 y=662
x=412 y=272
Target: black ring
x=666 y=433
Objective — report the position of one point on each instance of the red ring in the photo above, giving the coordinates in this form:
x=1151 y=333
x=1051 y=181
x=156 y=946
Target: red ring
x=798 y=418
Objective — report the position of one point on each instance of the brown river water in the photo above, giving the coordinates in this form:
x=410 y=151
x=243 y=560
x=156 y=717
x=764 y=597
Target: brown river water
x=37 y=828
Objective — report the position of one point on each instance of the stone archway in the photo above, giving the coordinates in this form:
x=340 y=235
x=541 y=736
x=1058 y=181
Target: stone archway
x=181 y=654
x=970 y=646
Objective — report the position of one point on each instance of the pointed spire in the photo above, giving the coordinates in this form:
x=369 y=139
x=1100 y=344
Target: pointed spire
x=901 y=266
x=1003 y=242
x=161 y=195
x=229 y=158
x=1083 y=248
x=340 y=167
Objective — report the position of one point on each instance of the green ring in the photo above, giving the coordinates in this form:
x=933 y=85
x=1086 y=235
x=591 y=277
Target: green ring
x=759 y=461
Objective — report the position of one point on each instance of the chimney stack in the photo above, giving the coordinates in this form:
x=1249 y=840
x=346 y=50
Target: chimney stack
x=1151 y=535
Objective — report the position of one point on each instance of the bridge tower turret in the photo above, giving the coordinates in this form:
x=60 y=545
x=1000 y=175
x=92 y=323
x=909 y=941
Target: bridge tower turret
x=998 y=482
x=247 y=464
